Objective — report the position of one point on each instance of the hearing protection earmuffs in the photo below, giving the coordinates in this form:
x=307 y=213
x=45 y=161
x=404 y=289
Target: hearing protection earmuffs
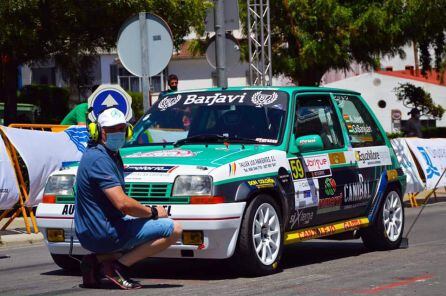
x=94 y=128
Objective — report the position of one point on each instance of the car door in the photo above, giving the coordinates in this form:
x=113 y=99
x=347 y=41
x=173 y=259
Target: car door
x=319 y=176
x=369 y=149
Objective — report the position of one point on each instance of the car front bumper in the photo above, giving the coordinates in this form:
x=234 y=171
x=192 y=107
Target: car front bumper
x=220 y=224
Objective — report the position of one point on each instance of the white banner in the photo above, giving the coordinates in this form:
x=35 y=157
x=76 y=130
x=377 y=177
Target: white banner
x=9 y=190
x=431 y=155
x=414 y=182
x=44 y=152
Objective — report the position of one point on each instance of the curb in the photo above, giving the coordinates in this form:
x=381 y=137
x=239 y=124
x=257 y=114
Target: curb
x=20 y=239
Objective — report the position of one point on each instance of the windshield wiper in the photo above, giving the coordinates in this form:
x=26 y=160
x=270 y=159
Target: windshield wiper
x=200 y=138
x=240 y=140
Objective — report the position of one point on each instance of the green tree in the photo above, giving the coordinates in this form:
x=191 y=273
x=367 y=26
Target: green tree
x=416 y=97
x=69 y=29
x=310 y=37
x=331 y=34
x=426 y=27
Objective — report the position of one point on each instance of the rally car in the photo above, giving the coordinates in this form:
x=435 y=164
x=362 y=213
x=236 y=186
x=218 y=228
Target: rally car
x=247 y=171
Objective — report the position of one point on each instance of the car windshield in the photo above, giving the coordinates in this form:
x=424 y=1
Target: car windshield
x=245 y=116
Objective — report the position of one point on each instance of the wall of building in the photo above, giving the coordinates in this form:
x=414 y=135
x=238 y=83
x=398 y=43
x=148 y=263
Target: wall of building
x=106 y=61
x=374 y=87
x=196 y=73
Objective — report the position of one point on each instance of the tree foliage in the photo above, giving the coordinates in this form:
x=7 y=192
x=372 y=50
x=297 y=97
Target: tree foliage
x=426 y=26
x=310 y=37
x=416 y=97
x=69 y=30
x=331 y=34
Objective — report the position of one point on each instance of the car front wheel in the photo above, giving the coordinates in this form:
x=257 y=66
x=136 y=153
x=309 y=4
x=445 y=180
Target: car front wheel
x=260 y=243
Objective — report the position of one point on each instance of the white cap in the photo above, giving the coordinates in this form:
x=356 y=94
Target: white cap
x=111 y=117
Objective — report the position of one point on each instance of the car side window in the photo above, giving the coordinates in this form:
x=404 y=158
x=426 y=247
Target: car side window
x=315 y=115
x=361 y=128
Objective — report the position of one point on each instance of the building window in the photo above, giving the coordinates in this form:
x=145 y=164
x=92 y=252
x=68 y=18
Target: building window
x=382 y=104
x=45 y=75
x=129 y=82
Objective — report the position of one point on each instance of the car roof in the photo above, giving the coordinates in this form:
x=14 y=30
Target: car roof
x=289 y=89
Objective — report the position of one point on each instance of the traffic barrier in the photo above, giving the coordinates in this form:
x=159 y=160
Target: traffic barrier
x=424 y=163
x=40 y=127
x=22 y=194
x=24 y=204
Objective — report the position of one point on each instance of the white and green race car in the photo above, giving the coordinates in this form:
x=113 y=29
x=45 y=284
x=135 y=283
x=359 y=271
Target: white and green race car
x=247 y=171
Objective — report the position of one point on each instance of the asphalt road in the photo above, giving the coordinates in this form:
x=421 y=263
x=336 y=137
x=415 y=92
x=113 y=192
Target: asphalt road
x=310 y=268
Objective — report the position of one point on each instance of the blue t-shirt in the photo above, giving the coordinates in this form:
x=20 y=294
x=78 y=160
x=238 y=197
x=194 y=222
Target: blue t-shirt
x=96 y=219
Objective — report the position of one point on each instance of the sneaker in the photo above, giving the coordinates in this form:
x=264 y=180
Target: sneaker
x=113 y=271
x=90 y=271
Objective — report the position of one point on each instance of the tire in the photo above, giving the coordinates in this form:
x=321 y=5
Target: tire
x=266 y=237
x=387 y=232
x=66 y=262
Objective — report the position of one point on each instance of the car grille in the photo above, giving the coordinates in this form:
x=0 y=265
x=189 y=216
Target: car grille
x=153 y=193
x=145 y=193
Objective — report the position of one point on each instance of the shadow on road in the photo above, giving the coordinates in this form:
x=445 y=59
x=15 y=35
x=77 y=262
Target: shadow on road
x=110 y=286
x=320 y=251
x=303 y=254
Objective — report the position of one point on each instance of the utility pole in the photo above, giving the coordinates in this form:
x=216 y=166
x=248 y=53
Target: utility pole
x=259 y=42
x=145 y=60
x=220 y=46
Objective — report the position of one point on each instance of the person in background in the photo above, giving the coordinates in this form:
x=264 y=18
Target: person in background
x=186 y=119
x=172 y=82
x=78 y=116
x=117 y=229
x=413 y=127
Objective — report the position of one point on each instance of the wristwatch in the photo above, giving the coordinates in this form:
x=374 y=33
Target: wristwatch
x=154 y=212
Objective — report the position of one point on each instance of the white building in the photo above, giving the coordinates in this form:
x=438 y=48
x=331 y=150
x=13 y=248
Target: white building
x=378 y=89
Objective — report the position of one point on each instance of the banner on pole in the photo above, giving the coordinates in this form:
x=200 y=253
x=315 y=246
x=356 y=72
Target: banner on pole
x=431 y=155
x=414 y=182
x=44 y=152
x=9 y=190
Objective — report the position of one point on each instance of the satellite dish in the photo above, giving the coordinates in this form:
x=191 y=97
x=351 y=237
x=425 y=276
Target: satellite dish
x=160 y=45
x=232 y=52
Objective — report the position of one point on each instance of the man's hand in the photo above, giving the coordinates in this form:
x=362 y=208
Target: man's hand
x=162 y=213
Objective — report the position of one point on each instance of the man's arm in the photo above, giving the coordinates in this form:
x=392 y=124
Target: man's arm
x=129 y=206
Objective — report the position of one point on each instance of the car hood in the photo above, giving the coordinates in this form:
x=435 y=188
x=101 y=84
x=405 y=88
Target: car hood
x=158 y=164
x=192 y=155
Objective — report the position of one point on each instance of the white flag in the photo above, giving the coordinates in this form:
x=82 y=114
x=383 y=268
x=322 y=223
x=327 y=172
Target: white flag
x=414 y=182
x=9 y=191
x=431 y=155
x=44 y=152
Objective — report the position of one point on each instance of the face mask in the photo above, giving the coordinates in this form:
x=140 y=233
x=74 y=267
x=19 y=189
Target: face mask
x=115 y=141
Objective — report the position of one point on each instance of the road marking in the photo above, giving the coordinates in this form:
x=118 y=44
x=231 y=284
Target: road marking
x=405 y=282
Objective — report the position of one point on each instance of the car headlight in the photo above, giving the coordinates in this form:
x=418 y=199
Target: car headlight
x=192 y=186
x=60 y=185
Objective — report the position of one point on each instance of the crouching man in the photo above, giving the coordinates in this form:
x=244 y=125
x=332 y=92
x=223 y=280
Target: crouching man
x=117 y=229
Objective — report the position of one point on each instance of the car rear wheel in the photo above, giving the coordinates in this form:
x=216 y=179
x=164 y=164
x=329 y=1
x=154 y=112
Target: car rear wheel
x=66 y=262
x=387 y=232
x=260 y=242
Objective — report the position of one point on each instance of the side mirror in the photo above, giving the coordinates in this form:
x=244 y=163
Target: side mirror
x=309 y=143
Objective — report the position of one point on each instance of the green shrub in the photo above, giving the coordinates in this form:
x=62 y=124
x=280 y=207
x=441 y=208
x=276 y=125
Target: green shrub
x=428 y=132
x=52 y=101
x=395 y=135
x=434 y=132
x=137 y=105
